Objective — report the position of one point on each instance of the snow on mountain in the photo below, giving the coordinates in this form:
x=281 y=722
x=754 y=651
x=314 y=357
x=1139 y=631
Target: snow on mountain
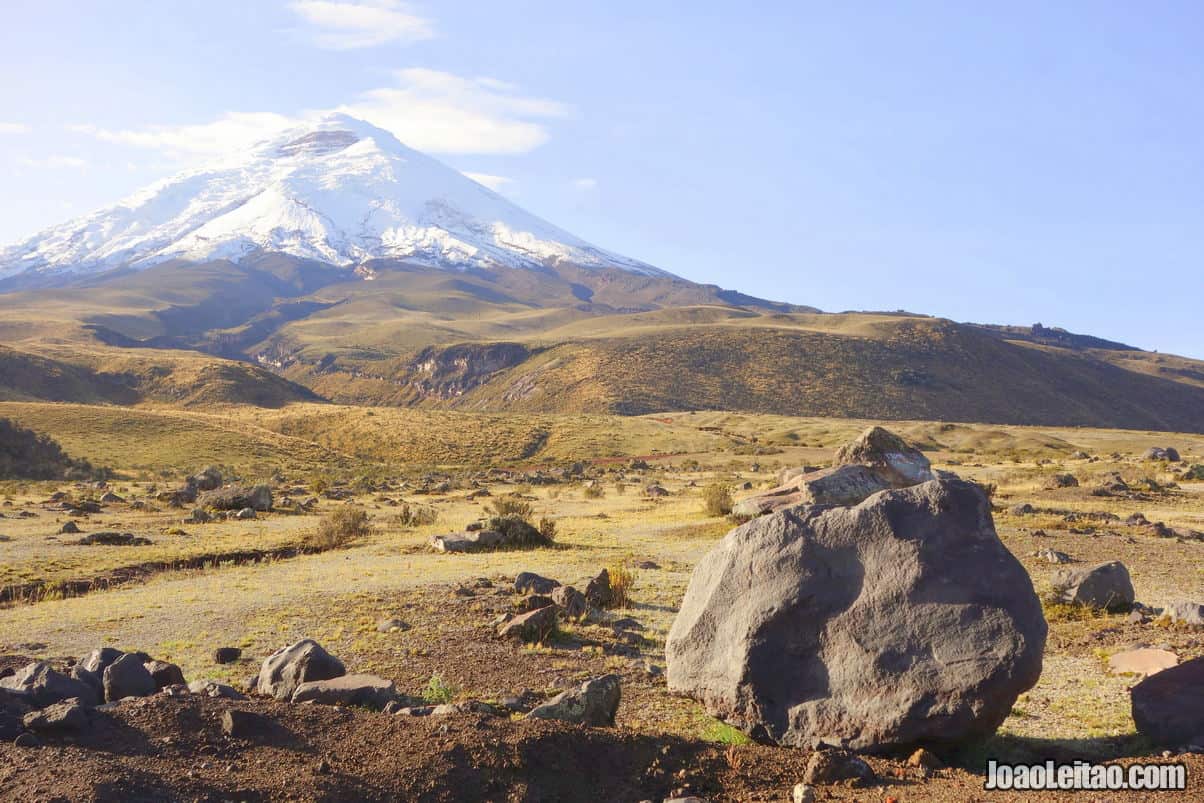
x=337 y=190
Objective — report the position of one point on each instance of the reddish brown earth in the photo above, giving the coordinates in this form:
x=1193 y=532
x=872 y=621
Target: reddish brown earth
x=173 y=748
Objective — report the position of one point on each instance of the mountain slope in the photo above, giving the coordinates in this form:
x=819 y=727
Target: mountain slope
x=336 y=190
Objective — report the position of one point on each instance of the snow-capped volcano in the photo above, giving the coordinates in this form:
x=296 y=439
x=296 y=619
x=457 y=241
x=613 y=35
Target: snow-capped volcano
x=337 y=190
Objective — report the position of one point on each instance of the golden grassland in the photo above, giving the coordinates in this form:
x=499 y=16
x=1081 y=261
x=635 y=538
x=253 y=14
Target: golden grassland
x=337 y=596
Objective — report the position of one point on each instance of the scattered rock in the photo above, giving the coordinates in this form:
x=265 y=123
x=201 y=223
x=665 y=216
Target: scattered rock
x=27 y=740
x=1054 y=556
x=207 y=479
x=802 y=793
x=165 y=674
x=529 y=582
x=245 y=514
x=199 y=516
x=237 y=497
x=1183 y=613
x=1022 y=510
x=1105 y=585
x=69 y=528
x=1167 y=453
x=391 y=626
x=69 y=716
x=213 y=688
x=1169 y=707
x=113 y=539
x=598 y=592
x=226 y=655
x=39 y=685
x=244 y=724
x=572 y=602
x=367 y=691
x=1145 y=661
x=111 y=498
x=127 y=677
x=793 y=616
x=924 y=758
x=534 y=626
x=655 y=490
x=833 y=766
x=533 y=602
x=287 y=668
x=594 y=703
x=1063 y=481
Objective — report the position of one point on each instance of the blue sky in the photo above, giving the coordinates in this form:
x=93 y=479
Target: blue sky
x=1010 y=162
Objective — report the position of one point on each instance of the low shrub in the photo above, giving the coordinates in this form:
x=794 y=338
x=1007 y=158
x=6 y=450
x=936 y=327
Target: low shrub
x=622 y=580
x=716 y=499
x=341 y=527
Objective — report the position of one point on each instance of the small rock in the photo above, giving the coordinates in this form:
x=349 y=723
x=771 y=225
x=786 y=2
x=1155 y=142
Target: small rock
x=391 y=626
x=531 y=627
x=367 y=691
x=803 y=793
x=593 y=703
x=529 y=582
x=924 y=758
x=226 y=655
x=1142 y=662
x=69 y=716
x=1105 y=585
x=27 y=739
x=572 y=602
x=212 y=688
x=598 y=591
x=245 y=514
x=287 y=668
x=165 y=674
x=243 y=724
x=831 y=766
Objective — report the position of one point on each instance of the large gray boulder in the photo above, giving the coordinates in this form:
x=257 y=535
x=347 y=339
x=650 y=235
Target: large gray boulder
x=287 y=668
x=39 y=685
x=1105 y=585
x=593 y=703
x=901 y=620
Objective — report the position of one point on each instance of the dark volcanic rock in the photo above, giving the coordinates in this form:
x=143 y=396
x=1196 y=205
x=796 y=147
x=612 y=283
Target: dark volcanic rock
x=287 y=668
x=1105 y=585
x=40 y=685
x=127 y=677
x=1168 y=707
x=791 y=619
x=594 y=703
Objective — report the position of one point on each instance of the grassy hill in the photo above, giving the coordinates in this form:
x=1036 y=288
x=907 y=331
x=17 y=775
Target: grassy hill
x=273 y=331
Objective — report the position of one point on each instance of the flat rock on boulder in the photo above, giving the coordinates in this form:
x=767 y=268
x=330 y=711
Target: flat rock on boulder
x=877 y=460
x=165 y=674
x=1169 y=707
x=1104 y=585
x=594 y=703
x=368 y=691
x=901 y=620
x=287 y=668
x=892 y=458
x=841 y=485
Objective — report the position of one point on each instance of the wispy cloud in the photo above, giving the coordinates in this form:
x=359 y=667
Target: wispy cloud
x=14 y=128
x=229 y=133
x=355 y=24
x=55 y=162
x=585 y=184
x=493 y=182
x=432 y=111
x=440 y=112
